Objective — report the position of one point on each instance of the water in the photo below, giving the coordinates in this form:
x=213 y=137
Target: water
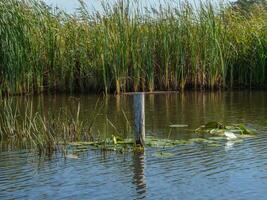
x=196 y=171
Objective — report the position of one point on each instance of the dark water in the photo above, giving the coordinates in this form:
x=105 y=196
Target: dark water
x=196 y=171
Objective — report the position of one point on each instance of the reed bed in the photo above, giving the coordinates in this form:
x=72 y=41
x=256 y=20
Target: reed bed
x=45 y=131
x=128 y=48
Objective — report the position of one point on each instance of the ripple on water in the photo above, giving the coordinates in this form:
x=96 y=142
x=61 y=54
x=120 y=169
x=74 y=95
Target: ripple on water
x=231 y=170
x=191 y=168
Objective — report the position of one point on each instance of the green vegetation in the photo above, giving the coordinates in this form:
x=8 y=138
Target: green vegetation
x=122 y=49
x=217 y=128
x=48 y=131
x=247 y=5
x=42 y=130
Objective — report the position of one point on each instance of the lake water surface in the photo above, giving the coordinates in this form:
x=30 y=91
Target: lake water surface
x=228 y=170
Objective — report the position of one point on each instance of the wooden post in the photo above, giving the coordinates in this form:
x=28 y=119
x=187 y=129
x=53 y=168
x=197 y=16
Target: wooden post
x=139 y=119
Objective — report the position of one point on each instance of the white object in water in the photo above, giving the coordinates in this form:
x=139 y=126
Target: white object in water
x=230 y=135
x=229 y=145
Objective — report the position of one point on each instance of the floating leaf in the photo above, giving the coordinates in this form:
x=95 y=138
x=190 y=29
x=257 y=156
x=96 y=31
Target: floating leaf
x=155 y=142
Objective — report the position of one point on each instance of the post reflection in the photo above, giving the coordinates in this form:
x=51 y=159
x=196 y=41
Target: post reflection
x=139 y=174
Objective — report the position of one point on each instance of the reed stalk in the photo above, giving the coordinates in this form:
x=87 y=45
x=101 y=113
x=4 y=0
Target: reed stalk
x=128 y=48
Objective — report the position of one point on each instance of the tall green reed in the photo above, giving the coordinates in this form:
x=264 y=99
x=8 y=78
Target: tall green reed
x=129 y=48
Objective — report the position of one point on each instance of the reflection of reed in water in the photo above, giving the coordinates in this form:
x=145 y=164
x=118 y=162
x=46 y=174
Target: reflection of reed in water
x=150 y=115
x=118 y=103
x=138 y=174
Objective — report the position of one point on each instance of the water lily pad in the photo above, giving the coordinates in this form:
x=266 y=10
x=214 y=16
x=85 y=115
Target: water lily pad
x=160 y=143
x=155 y=142
x=215 y=129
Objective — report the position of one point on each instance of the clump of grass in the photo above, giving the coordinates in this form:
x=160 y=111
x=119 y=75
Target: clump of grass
x=170 y=47
x=65 y=131
x=47 y=132
x=44 y=131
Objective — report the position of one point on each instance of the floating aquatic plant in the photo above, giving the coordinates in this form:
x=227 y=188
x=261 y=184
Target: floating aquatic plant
x=46 y=132
x=217 y=128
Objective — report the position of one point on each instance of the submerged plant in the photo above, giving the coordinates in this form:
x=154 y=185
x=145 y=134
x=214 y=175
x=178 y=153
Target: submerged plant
x=45 y=131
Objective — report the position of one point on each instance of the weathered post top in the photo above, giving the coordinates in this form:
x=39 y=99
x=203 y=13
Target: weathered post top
x=139 y=118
